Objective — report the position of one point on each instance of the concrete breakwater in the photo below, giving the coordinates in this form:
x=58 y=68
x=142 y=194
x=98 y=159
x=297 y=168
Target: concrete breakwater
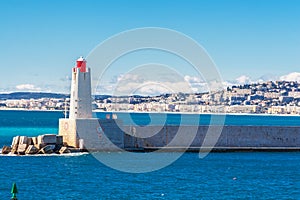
x=166 y=138
x=187 y=137
x=42 y=144
x=232 y=138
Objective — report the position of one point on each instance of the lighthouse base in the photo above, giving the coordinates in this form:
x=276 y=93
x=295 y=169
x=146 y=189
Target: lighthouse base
x=92 y=134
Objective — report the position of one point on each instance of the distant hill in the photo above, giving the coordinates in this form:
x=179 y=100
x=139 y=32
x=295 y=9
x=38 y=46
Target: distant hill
x=38 y=95
x=33 y=95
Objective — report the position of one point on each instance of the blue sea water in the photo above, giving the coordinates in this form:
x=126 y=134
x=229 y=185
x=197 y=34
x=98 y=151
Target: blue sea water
x=217 y=176
x=50 y=118
x=253 y=175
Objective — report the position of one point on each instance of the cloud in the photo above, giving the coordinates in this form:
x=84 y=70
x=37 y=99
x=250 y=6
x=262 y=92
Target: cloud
x=193 y=79
x=137 y=83
x=151 y=87
x=243 y=80
x=137 y=78
x=150 y=83
x=267 y=77
x=66 y=78
x=27 y=87
x=155 y=85
x=294 y=76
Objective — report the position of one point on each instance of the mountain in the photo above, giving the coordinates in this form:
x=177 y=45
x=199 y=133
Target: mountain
x=38 y=95
x=33 y=95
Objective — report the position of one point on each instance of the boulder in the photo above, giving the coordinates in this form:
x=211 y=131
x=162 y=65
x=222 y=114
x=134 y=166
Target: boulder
x=59 y=140
x=64 y=150
x=74 y=150
x=14 y=151
x=47 y=149
x=39 y=139
x=47 y=139
x=29 y=141
x=31 y=149
x=15 y=142
x=23 y=140
x=34 y=140
x=6 y=150
x=40 y=146
x=22 y=148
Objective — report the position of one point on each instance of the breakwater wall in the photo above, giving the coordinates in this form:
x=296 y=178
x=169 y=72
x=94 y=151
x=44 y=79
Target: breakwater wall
x=231 y=137
x=102 y=135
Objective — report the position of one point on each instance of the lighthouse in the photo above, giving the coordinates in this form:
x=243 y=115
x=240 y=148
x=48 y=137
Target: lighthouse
x=81 y=130
x=81 y=97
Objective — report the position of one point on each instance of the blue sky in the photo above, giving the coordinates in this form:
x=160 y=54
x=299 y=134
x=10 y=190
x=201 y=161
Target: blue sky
x=40 y=40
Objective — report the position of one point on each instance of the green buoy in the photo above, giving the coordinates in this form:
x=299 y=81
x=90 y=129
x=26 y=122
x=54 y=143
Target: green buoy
x=14 y=192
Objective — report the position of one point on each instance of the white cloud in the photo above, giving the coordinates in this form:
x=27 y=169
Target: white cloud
x=66 y=78
x=137 y=83
x=27 y=87
x=267 y=77
x=128 y=84
x=294 y=76
x=151 y=87
x=228 y=84
x=130 y=77
x=243 y=80
x=193 y=79
x=140 y=84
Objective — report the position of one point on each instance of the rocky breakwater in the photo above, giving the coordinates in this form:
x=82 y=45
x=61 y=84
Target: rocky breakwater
x=42 y=144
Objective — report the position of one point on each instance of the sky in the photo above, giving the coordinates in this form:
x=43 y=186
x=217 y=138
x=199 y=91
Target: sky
x=248 y=40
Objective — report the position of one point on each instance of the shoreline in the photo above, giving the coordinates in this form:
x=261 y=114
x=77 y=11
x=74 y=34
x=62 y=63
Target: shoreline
x=197 y=150
x=152 y=112
x=194 y=113
x=21 y=109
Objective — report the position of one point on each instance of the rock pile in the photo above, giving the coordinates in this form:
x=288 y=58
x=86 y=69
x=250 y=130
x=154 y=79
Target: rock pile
x=42 y=144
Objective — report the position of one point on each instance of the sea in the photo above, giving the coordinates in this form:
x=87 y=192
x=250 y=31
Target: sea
x=231 y=175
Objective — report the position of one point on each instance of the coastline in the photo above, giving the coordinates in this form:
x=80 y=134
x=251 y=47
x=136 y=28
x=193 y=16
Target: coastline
x=193 y=113
x=167 y=112
x=23 y=109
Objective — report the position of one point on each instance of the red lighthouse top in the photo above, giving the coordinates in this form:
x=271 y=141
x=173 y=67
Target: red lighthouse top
x=81 y=63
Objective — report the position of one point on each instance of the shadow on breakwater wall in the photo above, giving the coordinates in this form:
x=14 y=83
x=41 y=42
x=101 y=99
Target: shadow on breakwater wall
x=231 y=138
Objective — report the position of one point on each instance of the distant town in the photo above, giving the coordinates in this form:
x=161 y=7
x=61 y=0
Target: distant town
x=273 y=97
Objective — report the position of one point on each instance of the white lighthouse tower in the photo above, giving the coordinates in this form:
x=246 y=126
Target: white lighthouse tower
x=80 y=129
x=81 y=98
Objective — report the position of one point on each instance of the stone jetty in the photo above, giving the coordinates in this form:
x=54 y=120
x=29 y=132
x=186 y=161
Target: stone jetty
x=42 y=144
